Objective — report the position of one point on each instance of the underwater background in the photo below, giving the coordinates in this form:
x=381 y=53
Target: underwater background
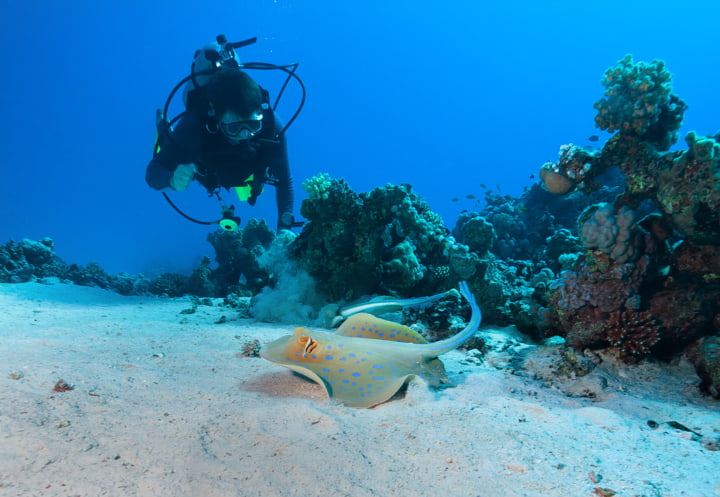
x=539 y=156
x=446 y=96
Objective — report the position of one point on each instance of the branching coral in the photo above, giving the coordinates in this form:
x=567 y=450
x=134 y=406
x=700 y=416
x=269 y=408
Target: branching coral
x=318 y=186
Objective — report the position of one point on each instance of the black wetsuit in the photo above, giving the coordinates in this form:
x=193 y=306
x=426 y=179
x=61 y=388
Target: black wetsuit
x=221 y=164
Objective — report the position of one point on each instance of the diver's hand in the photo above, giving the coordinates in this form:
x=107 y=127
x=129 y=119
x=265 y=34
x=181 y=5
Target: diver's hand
x=182 y=177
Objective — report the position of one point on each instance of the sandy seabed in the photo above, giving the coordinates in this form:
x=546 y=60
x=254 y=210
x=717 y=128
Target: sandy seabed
x=164 y=404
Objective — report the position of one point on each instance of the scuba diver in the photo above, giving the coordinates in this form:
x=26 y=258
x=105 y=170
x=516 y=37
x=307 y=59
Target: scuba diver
x=228 y=137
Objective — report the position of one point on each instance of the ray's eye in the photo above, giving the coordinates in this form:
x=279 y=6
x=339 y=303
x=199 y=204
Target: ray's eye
x=309 y=344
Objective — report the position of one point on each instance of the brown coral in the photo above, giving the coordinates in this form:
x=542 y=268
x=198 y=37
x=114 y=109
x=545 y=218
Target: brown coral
x=61 y=386
x=556 y=182
x=705 y=356
x=701 y=262
x=573 y=167
x=633 y=334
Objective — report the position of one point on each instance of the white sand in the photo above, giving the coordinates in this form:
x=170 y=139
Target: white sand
x=163 y=405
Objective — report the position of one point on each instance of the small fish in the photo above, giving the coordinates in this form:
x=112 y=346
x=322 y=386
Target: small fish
x=455 y=199
x=498 y=187
x=532 y=176
x=470 y=196
x=593 y=138
x=483 y=185
x=368 y=359
x=664 y=271
x=681 y=427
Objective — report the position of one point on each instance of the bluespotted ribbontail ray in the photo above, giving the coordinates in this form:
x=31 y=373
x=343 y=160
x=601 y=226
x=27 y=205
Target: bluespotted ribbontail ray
x=366 y=370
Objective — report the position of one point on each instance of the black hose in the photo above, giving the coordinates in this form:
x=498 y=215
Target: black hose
x=206 y=223
x=290 y=70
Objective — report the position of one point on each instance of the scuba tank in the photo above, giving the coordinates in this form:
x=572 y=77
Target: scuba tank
x=212 y=57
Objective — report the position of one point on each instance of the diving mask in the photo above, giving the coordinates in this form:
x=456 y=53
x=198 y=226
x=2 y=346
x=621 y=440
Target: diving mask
x=242 y=130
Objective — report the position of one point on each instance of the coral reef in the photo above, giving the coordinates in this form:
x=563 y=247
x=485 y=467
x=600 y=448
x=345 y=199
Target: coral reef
x=441 y=320
x=646 y=287
x=614 y=248
x=385 y=241
x=705 y=355
x=169 y=285
x=22 y=261
x=237 y=255
x=685 y=185
x=574 y=169
x=479 y=235
x=688 y=191
x=30 y=260
x=612 y=231
x=639 y=101
x=388 y=241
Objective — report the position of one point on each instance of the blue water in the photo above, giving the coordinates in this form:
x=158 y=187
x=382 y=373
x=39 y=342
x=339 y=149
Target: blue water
x=443 y=95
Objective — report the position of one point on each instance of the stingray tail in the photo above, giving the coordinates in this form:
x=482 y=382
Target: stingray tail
x=437 y=348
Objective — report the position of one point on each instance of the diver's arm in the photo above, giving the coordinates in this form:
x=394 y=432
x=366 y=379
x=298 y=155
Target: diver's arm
x=174 y=150
x=284 y=194
x=280 y=170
